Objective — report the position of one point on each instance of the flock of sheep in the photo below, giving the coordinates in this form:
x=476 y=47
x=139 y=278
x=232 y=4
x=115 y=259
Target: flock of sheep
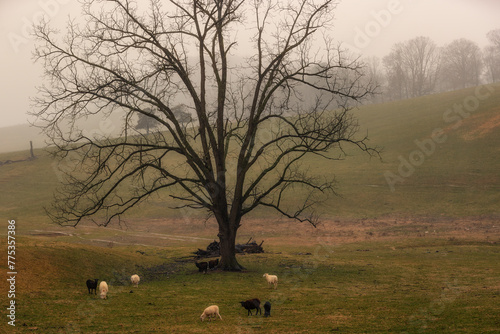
x=103 y=286
x=209 y=312
x=249 y=305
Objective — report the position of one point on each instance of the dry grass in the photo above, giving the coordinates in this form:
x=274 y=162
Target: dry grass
x=278 y=232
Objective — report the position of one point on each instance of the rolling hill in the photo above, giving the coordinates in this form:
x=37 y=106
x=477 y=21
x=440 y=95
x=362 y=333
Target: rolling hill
x=439 y=157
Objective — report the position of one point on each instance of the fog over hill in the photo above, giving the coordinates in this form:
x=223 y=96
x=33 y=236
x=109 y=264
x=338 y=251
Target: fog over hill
x=369 y=28
x=18 y=137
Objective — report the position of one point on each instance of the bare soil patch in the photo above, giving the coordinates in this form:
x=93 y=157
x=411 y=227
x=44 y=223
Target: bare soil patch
x=278 y=232
x=481 y=126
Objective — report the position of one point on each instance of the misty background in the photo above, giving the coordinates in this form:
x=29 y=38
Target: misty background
x=370 y=28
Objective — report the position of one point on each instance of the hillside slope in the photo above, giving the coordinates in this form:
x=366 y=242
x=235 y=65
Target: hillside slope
x=440 y=157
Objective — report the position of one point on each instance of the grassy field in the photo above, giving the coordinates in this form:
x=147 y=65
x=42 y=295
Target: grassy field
x=356 y=277
x=419 y=255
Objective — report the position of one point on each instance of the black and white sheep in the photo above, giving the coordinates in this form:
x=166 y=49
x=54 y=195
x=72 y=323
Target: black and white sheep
x=251 y=304
x=92 y=285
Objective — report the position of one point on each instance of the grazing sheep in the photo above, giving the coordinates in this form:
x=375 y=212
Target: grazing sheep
x=267 y=309
x=103 y=290
x=202 y=266
x=252 y=304
x=213 y=263
x=135 y=280
x=210 y=311
x=92 y=285
x=271 y=279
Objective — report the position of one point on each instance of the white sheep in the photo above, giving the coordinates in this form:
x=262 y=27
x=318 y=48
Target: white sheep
x=135 y=280
x=103 y=290
x=271 y=279
x=210 y=311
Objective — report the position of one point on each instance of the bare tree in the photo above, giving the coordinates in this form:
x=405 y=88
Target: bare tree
x=397 y=81
x=491 y=56
x=252 y=125
x=494 y=37
x=413 y=66
x=375 y=76
x=145 y=122
x=462 y=64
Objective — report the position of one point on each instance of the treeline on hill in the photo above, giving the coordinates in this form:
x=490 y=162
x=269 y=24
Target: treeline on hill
x=419 y=67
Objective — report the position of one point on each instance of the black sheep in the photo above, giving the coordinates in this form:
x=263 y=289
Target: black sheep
x=267 y=309
x=202 y=266
x=92 y=285
x=213 y=263
x=252 y=304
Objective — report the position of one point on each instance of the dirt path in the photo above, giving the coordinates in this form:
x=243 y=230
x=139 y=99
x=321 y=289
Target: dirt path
x=111 y=236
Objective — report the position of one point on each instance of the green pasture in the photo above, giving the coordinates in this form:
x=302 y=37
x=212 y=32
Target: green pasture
x=407 y=286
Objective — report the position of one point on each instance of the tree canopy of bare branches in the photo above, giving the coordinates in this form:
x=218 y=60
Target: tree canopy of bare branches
x=412 y=67
x=255 y=118
x=462 y=64
x=491 y=56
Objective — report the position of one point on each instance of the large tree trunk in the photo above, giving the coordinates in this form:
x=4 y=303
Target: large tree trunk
x=227 y=240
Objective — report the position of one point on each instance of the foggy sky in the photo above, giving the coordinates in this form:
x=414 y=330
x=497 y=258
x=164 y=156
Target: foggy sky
x=368 y=27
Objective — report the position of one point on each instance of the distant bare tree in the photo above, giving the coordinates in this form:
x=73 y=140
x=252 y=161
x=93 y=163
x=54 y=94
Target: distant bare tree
x=494 y=37
x=491 y=56
x=252 y=127
x=462 y=64
x=375 y=75
x=412 y=67
x=181 y=114
x=397 y=86
x=146 y=122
